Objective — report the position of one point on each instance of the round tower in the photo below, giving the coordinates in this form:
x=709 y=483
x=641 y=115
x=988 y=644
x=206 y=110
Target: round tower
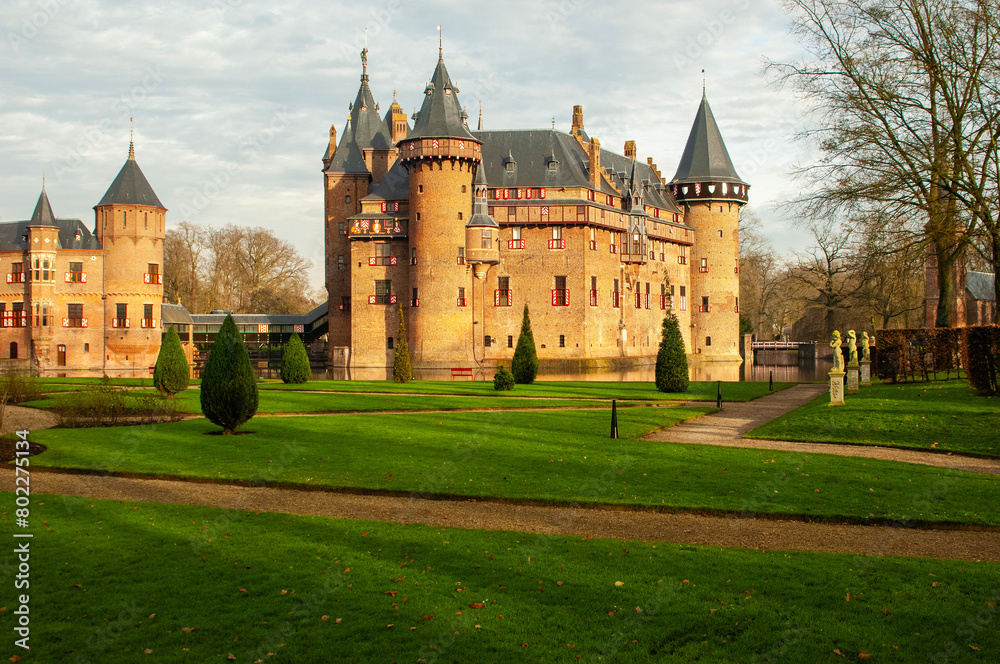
x=712 y=194
x=131 y=225
x=441 y=157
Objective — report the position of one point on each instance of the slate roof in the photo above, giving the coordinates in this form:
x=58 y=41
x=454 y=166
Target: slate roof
x=705 y=157
x=364 y=130
x=258 y=319
x=440 y=116
x=12 y=232
x=175 y=314
x=42 y=216
x=980 y=286
x=130 y=186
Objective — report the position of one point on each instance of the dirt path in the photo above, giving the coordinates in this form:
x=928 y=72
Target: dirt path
x=726 y=429
x=16 y=418
x=626 y=524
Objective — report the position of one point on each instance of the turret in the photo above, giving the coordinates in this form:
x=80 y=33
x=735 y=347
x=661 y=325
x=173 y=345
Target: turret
x=482 y=232
x=707 y=185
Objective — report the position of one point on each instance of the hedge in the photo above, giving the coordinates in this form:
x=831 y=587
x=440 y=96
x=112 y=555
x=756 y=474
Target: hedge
x=981 y=358
x=918 y=355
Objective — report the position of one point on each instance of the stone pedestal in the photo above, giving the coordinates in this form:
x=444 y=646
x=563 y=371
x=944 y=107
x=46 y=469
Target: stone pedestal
x=852 y=378
x=866 y=372
x=836 y=388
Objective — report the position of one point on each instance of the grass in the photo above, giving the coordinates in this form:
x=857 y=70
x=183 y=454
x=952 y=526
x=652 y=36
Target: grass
x=945 y=416
x=196 y=584
x=555 y=456
x=697 y=391
x=275 y=401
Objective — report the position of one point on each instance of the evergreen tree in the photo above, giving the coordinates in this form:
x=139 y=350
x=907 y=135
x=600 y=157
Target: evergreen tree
x=171 y=373
x=228 y=385
x=402 y=371
x=503 y=379
x=295 y=361
x=671 y=360
x=524 y=366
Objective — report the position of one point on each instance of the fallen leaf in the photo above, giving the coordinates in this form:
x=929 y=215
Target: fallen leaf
x=189 y=629
x=231 y=656
x=863 y=655
x=392 y=592
x=284 y=592
x=619 y=583
x=77 y=585
x=428 y=617
x=559 y=583
x=837 y=651
x=338 y=620
x=476 y=605
x=935 y=584
x=712 y=610
x=389 y=625
x=524 y=644
x=15 y=658
x=152 y=615
x=150 y=652
x=324 y=617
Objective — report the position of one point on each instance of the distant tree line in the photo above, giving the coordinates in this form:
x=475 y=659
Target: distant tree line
x=246 y=270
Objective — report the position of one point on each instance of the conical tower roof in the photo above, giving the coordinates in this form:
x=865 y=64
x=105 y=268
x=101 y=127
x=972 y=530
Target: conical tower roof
x=705 y=157
x=130 y=186
x=440 y=116
x=42 y=216
x=364 y=130
x=480 y=205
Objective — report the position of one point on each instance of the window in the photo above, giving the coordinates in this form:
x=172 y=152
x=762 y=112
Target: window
x=16 y=273
x=463 y=189
x=75 y=274
x=704 y=305
x=13 y=350
x=682 y=258
x=720 y=233
x=388 y=343
x=593 y=239
x=614 y=243
x=737 y=309
x=383 y=292
x=86 y=348
x=74 y=316
x=345 y=302
x=121 y=316
x=147 y=316
x=461 y=255
x=43 y=270
x=420 y=188
x=19 y=317
x=684 y=305
x=341 y=228
x=593 y=291
x=708 y=341
x=510 y=341
x=704 y=265
x=383 y=255
x=557 y=241
x=415 y=300
x=347 y=198
x=486 y=341
x=145 y=220
x=61 y=355
x=562 y=340
x=504 y=296
x=560 y=294
x=616 y=296
x=487 y=239
x=413 y=255
x=663 y=297
x=340 y=262
x=461 y=296
x=460 y=216
x=516 y=241
x=42 y=315
x=152 y=275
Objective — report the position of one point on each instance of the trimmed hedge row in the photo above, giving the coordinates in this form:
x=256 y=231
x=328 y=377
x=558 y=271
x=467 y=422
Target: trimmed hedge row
x=924 y=354
x=981 y=358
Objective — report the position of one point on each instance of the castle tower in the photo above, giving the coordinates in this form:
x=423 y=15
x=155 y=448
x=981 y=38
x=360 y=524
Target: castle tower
x=441 y=156
x=130 y=225
x=707 y=185
x=43 y=240
x=361 y=160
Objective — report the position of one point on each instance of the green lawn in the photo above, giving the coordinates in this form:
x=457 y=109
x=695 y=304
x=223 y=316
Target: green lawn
x=945 y=416
x=557 y=456
x=276 y=401
x=697 y=391
x=123 y=582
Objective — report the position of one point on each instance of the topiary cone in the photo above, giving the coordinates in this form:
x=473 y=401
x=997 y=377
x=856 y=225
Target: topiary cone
x=171 y=373
x=228 y=385
x=295 y=361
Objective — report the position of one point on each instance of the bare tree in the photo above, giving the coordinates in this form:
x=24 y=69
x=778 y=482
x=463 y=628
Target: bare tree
x=182 y=249
x=824 y=274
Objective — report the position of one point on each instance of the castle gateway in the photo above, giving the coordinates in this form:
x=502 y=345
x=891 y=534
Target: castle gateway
x=460 y=229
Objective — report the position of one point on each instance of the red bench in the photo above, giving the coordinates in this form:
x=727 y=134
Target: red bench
x=462 y=373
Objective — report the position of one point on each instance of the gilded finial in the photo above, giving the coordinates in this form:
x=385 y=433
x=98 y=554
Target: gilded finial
x=440 y=44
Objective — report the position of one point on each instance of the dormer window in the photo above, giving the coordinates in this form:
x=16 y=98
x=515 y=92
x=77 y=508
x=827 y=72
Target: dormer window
x=509 y=166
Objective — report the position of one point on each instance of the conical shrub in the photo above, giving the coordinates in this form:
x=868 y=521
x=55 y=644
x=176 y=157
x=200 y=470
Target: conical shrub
x=228 y=385
x=671 y=360
x=402 y=370
x=294 y=361
x=524 y=366
x=171 y=373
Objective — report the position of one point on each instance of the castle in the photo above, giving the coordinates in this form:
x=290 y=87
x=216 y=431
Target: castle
x=459 y=229
x=80 y=303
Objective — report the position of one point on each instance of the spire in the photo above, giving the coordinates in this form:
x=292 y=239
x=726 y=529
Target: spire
x=131 y=187
x=440 y=44
x=480 y=128
x=131 y=139
x=441 y=114
x=43 y=216
x=480 y=202
x=705 y=157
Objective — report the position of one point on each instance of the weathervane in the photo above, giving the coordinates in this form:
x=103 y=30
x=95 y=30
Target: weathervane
x=702 y=82
x=440 y=44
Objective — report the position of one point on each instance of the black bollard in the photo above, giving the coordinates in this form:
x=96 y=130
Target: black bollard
x=770 y=382
x=614 y=419
x=718 y=396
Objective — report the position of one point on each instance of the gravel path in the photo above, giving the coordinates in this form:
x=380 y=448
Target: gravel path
x=625 y=524
x=726 y=429
x=723 y=428
x=17 y=418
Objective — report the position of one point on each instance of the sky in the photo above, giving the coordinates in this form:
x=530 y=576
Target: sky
x=232 y=100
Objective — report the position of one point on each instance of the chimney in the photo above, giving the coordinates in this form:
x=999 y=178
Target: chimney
x=630 y=149
x=577 y=120
x=649 y=161
x=594 y=151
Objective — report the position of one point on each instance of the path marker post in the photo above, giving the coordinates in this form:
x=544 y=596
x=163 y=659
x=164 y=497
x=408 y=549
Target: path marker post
x=614 y=419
